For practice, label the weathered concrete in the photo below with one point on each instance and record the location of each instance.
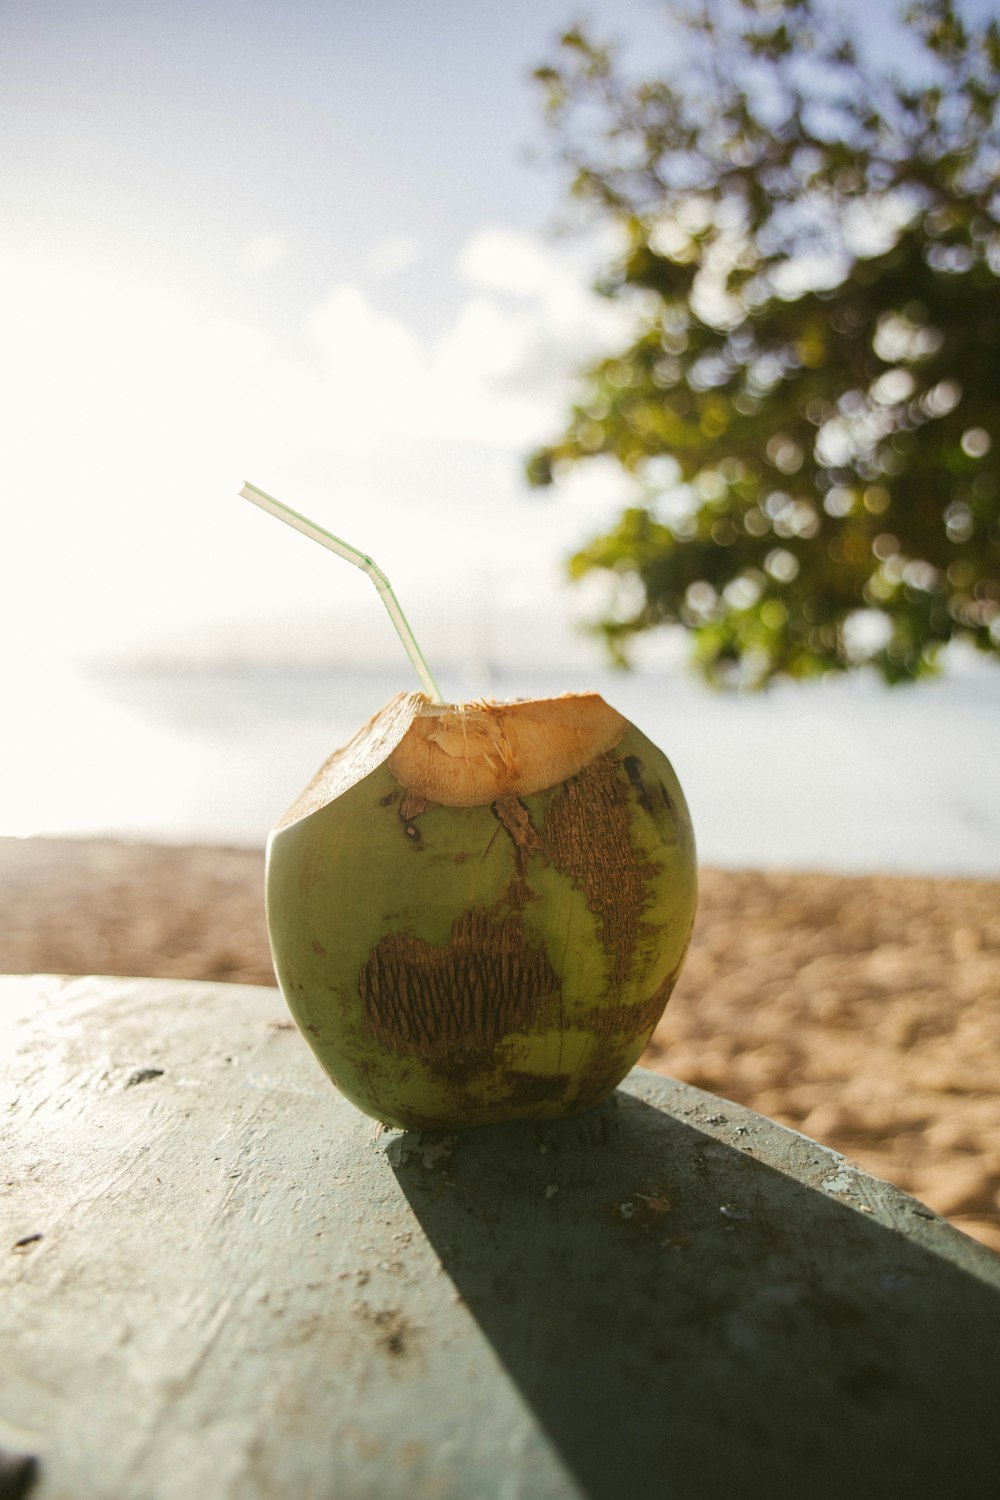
(220, 1280)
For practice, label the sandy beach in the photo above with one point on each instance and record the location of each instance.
(864, 1011)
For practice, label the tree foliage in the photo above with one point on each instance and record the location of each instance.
(809, 400)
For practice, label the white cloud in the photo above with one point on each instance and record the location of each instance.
(503, 260)
(554, 281)
(134, 415)
(496, 376)
(487, 342)
(347, 321)
(370, 362)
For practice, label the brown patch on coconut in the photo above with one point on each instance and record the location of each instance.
(459, 999)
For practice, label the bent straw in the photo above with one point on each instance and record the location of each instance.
(360, 560)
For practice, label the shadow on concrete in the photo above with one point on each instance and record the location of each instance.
(684, 1320)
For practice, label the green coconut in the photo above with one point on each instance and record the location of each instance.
(478, 912)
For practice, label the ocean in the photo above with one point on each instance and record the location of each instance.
(844, 776)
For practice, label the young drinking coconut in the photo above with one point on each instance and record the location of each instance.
(478, 911)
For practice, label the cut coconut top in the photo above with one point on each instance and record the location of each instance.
(466, 755)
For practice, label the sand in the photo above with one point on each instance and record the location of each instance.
(863, 1011)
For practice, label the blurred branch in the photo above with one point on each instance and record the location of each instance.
(809, 403)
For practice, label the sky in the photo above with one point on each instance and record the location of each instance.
(312, 245)
(300, 244)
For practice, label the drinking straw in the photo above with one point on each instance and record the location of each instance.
(360, 560)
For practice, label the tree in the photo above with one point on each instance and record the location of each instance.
(809, 400)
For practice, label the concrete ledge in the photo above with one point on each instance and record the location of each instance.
(219, 1279)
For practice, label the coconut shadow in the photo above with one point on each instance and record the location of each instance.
(685, 1319)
